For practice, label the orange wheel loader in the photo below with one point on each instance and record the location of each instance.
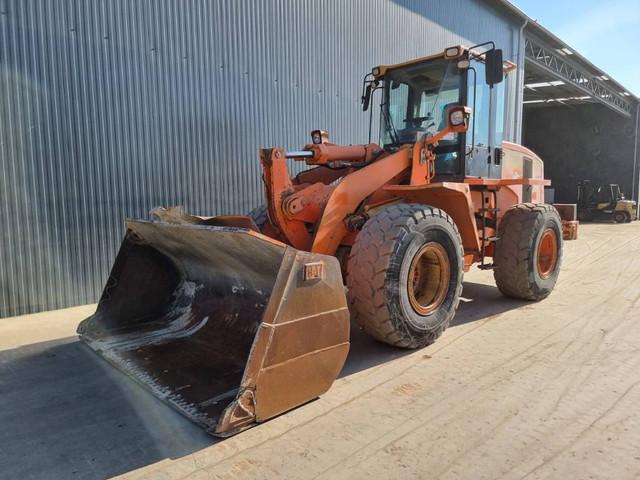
(235, 319)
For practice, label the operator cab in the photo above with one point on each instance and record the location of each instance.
(415, 98)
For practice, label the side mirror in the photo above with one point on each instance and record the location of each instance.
(366, 98)
(493, 67)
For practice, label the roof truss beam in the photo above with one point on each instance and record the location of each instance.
(548, 59)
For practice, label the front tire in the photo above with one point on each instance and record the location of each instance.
(621, 217)
(404, 275)
(585, 215)
(259, 216)
(528, 252)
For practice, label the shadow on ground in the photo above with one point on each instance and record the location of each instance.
(599, 221)
(479, 302)
(65, 413)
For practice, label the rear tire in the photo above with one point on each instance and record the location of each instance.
(528, 252)
(404, 275)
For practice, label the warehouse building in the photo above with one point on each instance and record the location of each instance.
(109, 109)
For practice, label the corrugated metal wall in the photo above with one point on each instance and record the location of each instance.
(109, 108)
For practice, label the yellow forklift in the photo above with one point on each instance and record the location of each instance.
(604, 202)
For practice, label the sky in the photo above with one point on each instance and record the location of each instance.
(605, 32)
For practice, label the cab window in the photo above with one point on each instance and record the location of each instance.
(479, 98)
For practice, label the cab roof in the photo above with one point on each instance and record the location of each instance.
(381, 70)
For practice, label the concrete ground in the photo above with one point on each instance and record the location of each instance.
(512, 390)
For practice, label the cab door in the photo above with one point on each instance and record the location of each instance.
(486, 128)
(496, 130)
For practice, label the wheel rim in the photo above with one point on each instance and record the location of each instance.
(428, 280)
(547, 253)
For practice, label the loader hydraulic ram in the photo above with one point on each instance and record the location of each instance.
(235, 319)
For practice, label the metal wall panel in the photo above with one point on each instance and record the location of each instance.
(109, 108)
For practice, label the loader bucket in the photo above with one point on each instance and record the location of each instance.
(226, 325)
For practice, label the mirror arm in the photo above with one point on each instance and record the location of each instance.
(473, 130)
(370, 114)
(473, 54)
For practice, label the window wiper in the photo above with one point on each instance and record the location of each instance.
(444, 78)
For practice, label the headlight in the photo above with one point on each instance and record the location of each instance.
(319, 136)
(456, 118)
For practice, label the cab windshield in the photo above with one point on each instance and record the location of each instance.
(415, 101)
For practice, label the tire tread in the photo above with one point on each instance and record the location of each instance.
(516, 234)
(367, 266)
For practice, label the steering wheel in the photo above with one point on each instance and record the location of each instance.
(416, 122)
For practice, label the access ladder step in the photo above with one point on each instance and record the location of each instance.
(486, 266)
